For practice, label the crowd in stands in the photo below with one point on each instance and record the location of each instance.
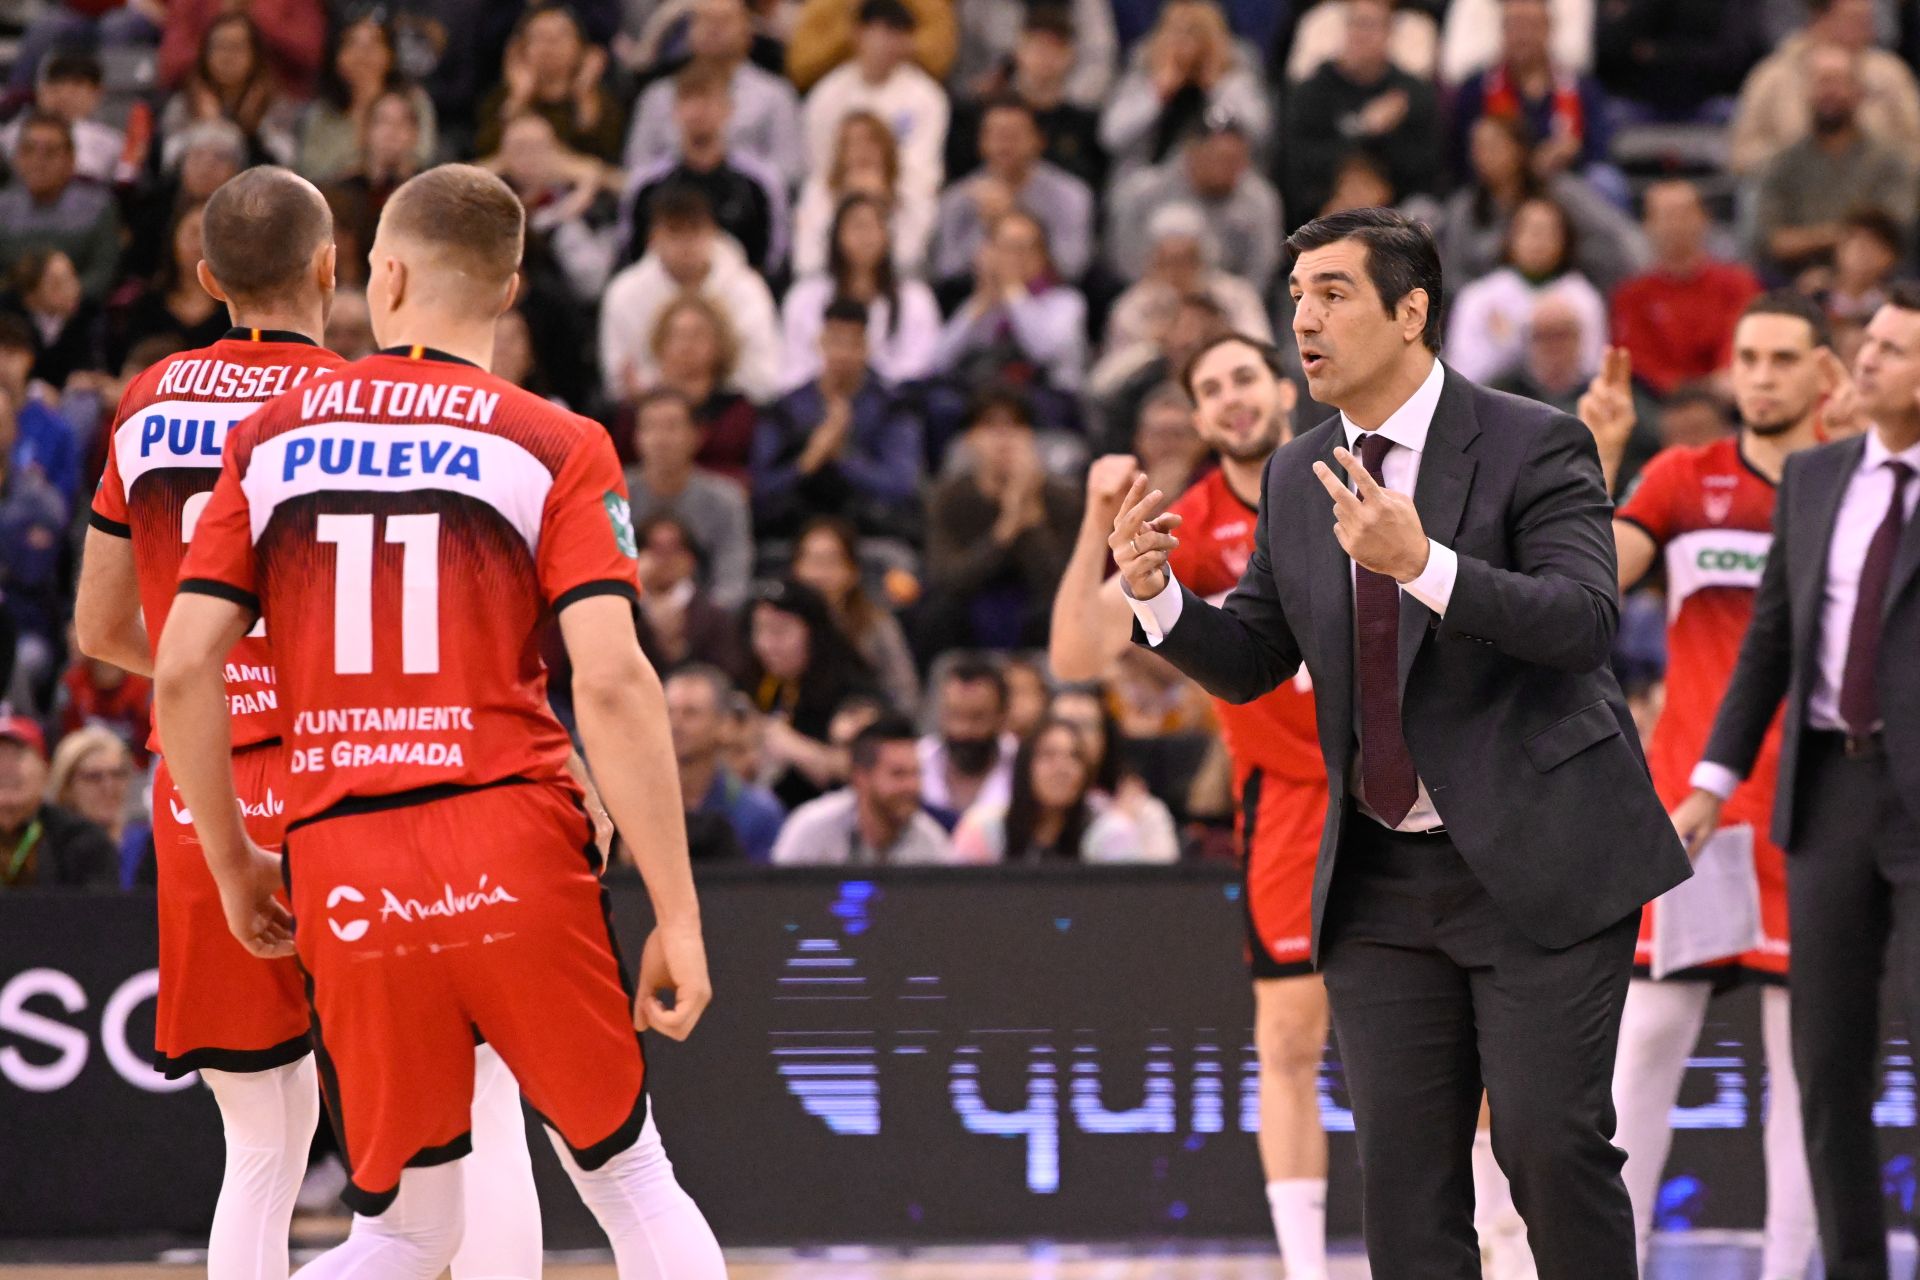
(858, 287)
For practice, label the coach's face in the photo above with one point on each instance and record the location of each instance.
(1887, 371)
(1349, 339)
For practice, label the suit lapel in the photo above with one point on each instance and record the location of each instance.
(1331, 582)
(1440, 496)
(1906, 561)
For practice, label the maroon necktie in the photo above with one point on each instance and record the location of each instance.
(1386, 769)
(1859, 699)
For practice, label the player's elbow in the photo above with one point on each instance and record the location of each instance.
(92, 629)
(608, 683)
(1585, 643)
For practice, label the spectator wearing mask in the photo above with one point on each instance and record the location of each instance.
(876, 819)
(553, 70)
(1677, 317)
(1777, 107)
(903, 319)
(1022, 325)
(42, 845)
(1013, 176)
(765, 120)
(44, 289)
(1810, 186)
(1361, 100)
(667, 481)
(748, 198)
(798, 669)
(685, 622)
(882, 79)
(172, 305)
(1214, 173)
(1486, 327)
(1054, 813)
(234, 80)
(826, 557)
(1564, 109)
(685, 252)
(998, 536)
(38, 439)
(843, 442)
(866, 162)
(291, 38)
(992, 33)
(361, 67)
(69, 87)
(712, 792)
(1055, 56)
(1186, 71)
(91, 777)
(1183, 261)
(1677, 59)
(968, 758)
(46, 206)
(827, 34)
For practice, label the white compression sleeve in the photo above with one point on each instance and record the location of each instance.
(1791, 1229)
(268, 1118)
(1658, 1029)
(502, 1240)
(656, 1230)
(414, 1239)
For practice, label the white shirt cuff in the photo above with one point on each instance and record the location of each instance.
(1434, 587)
(1157, 615)
(1716, 778)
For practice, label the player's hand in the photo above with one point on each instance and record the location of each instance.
(257, 918)
(1377, 527)
(673, 960)
(1141, 538)
(1607, 406)
(1696, 818)
(1840, 412)
(1107, 482)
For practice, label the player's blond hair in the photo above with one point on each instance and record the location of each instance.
(466, 217)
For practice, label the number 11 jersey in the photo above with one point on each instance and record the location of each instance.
(403, 527)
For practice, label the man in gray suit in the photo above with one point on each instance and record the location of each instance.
(1491, 831)
(1836, 634)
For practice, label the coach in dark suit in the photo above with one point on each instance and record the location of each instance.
(1836, 634)
(1491, 830)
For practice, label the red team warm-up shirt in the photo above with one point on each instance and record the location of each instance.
(403, 527)
(162, 460)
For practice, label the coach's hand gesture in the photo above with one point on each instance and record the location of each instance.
(673, 960)
(1377, 527)
(1142, 536)
(257, 918)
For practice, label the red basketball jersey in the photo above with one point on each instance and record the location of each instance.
(163, 457)
(1711, 514)
(403, 527)
(1276, 733)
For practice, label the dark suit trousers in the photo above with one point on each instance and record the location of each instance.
(1433, 992)
(1853, 908)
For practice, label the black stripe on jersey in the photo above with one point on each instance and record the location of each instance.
(104, 525)
(240, 333)
(622, 1138)
(1641, 527)
(372, 1204)
(352, 805)
(598, 587)
(235, 1060)
(417, 352)
(222, 590)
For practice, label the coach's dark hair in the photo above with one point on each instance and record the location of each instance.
(260, 230)
(1401, 257)
(890, 727)
(1268, 353)
(1904, 294)
(1795, 305)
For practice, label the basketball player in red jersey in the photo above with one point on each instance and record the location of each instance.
(242, 1021)
(1707, 511)
(404, 527)
(1242, 411)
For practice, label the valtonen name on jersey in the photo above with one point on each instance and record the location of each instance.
(383, 397)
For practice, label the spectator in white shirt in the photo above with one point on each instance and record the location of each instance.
(1012, 175)
(1487, 330)
(876, 819)
(1054, 814)
(1022, 321)
(883, 78)
(866, 161)
(903, 320)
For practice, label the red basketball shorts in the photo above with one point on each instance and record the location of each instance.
(427, 918)
(220, 1006)
(1279, 823)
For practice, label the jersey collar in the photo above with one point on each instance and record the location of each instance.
(418, 352)
(240, 333)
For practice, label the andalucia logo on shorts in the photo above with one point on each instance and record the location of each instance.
(620, 516)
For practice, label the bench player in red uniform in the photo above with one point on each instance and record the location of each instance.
(1243, 408)
(239, 1020)
(1707, 512)
(404, 527)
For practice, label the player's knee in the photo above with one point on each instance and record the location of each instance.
(1290, 1045)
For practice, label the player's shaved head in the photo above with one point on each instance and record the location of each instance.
(262, 230)
(461, 228)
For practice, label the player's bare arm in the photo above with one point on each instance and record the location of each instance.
(1091, 620)
(190, 699)
(106, 612)
(622, 713)
(1634, 550)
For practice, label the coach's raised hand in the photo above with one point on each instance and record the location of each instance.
(1377, 527)
(1142, 536)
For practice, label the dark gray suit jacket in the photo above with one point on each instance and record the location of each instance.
(1780, 656)
(1513, 719)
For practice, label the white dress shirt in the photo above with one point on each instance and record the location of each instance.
(1862, 508)
(1407, 428)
